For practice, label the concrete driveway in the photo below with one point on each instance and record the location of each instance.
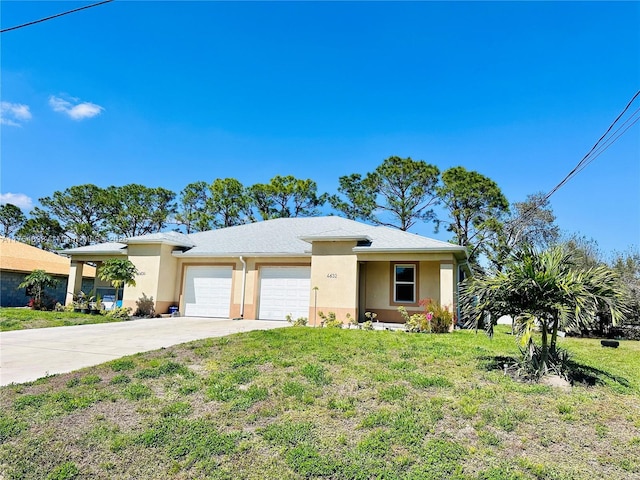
(27, 355)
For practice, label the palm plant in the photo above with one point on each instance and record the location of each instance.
(118, 271)
(545, 290)
(36, 283)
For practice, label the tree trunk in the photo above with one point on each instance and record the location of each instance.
(545, 349)
(554, 334)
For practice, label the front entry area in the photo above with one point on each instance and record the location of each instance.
(284, 291)
(207, 291)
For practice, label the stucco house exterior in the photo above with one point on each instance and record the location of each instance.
(288, 266)
(17, 260)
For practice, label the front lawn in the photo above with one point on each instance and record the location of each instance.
(304, 403)
(23, 318)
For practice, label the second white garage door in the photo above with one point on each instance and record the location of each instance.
(283, 291)
(207, 292)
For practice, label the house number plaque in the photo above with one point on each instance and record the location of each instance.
(332, 275)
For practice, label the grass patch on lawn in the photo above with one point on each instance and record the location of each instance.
(304, 403)
(25, 318)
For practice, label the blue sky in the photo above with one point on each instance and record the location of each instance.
(167, 93)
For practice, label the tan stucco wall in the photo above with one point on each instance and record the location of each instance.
(436, 281)
(157, 274)
(334, 271)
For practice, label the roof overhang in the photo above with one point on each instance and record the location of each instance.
(459, 252)
(187, 254)
(98, 252)
(164, 241)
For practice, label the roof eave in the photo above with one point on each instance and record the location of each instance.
(173, 243)
(70, 252)
(178, 254)
(461, 250)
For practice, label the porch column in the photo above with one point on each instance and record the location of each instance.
(447, 285)
(75, 280)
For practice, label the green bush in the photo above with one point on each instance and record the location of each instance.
(298, 322)
(120, 313)
(435, 319)
(145, 307)
(329, 320)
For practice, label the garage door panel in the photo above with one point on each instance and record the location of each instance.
(208, 291)
(284, 291)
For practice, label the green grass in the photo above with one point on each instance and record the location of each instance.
(25, 318)
(304, 403)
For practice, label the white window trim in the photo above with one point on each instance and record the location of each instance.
(395, 282)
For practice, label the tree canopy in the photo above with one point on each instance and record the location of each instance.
(132, 210)
(476, 208)
(11, 219)
(193, 208)
(398, 193)
(81, 210)
(286, 196)
(119, 272)
(530, 222)
(229, 203)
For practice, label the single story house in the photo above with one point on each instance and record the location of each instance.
(17, 260)
(287, 266)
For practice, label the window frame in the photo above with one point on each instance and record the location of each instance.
(394, 282)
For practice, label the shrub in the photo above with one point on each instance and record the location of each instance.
(412, 323)
(298, 322)
(435, 319)
(439, 318)
(368, 325)
(329, 320)
(120, 313)
(626, 332)
(145, 307)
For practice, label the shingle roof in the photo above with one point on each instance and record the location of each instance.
(282, 237)
(291, 236)
(107, 248)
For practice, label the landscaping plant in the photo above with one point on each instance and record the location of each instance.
(545, 290)
(120, 272)
(36, 283)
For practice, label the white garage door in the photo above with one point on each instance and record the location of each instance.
(207, 292)
(283, 291)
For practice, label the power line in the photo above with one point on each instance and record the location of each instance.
(54, 16)
(603, 143)
(586, 159)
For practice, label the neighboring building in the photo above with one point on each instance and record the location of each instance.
(17, 260)
(288, 266)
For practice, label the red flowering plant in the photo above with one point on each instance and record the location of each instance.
(438, 318)
(435, 319)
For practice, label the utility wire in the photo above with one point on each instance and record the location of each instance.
(585, 160)
(603, 143)
(54, 16)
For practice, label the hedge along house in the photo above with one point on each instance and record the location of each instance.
(17, 260)
(288, 266)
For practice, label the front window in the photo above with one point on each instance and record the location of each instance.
(405, 284)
